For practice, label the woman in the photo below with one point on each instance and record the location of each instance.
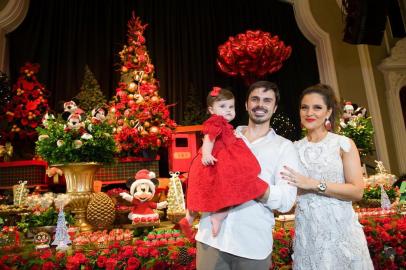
(327, 232)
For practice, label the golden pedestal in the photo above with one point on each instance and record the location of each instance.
(79, 187)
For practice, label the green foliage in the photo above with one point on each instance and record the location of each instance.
(361, 131)
(47, 218)
(374, 192)
(90, 95)
(58, 146)
(194, 112)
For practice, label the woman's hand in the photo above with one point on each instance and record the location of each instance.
(296, 179)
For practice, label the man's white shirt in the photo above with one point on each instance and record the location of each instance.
(247, 230)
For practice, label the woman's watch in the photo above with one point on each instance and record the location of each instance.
(322, 186)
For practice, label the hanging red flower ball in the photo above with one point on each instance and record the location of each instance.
(252, 55)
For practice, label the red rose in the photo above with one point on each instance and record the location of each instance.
(45, 254)
(154, 252)
(48, 266)
(127, 251)
(133, 263)
(111, 264)
(283, 252)
(142, 251)
(101, 261)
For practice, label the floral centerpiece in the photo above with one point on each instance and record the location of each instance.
(355, 124)
(81, 138)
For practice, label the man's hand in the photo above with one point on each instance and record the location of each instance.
(208, 159)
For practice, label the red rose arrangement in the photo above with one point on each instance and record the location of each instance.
(386, 239)
(252, 55)
(282, 249)
(166, 249)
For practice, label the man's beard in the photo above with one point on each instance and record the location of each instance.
(259, 120)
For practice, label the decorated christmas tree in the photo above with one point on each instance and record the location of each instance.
(175, 198)
(90, 95)
(194, 113)
(62, 238)
(28, 104)
(283, 126)
(140, 116)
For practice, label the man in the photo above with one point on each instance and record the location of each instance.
(245, 239)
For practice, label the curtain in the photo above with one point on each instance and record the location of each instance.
(182, 39)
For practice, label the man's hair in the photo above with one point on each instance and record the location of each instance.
(267, 86)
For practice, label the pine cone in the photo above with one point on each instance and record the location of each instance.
(100, 211)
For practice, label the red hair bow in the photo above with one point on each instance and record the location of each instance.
(215, 91)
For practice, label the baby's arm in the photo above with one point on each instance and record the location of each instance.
(207, 147)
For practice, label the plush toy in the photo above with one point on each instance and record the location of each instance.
(348, 111)
(98, 115)
(70, 108)
(75, 124)
(142, 190)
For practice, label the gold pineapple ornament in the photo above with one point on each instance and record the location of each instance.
(100, 211)
(176, 200)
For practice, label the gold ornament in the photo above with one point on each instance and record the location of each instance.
(100, 211)
(154, 99)
(130, 96)
(139, 99)
(6, 151)
(154, 130)
(124, 69)
(131, 87)
(146, 124)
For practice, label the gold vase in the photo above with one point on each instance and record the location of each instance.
(79, 187)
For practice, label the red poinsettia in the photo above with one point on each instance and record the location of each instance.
(24, 112)
(252, 55)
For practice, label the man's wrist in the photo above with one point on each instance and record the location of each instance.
(265, 196)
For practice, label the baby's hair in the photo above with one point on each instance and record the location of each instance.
(218, 94)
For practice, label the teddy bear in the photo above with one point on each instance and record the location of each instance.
(142, 190)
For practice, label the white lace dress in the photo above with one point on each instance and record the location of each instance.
(327, 233)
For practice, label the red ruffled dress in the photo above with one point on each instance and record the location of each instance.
(233, 179)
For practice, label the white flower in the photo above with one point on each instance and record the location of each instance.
(59, 143)
(77, 144)
(42, 137)
(86, 136)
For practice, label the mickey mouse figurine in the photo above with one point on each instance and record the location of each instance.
(142, 190)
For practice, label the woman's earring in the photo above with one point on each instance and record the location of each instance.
(327, 124)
